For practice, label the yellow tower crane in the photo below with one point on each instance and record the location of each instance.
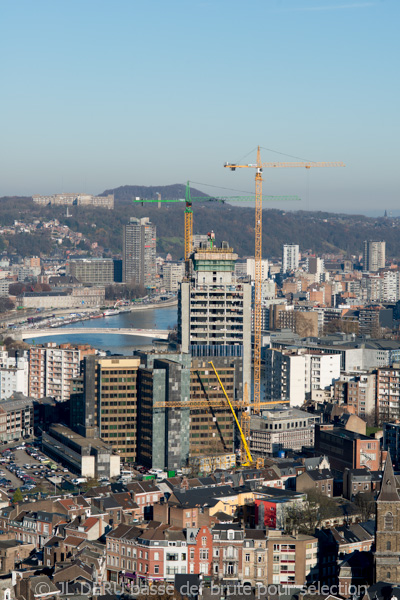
(259, 166)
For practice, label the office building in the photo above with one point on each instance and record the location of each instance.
(104, 402)
(92, 270)
(347, 449)
(290, 258)
(52, 367)
(169, 434)
(282, 429)
(214, 310)
(374, 256)
(89, 457)
(139, 253)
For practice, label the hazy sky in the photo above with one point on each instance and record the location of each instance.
(97, 94)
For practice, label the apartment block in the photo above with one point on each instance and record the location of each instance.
(214, 310)
(292, 560)
(16, 418)
(14, 373)
(92, 270)
(290, 258)
(282, 429)
(75, 200)
(357, 392)
(173, 273)
(388, 393)
(139, 252)
(374, 256)
(292, 374)
(53, 367)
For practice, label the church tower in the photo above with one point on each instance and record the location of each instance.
(387, 554)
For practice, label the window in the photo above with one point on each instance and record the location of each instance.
(156, 569)
(191, 553)
(388, 546)
(204, 554)
(156, 556)
(388, 575)
(388, 521)
(247, 557)
(204, 541)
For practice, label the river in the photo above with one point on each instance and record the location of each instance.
(159, 318)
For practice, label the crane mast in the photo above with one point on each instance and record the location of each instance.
(258, 257)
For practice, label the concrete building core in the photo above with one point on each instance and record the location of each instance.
(214, 310)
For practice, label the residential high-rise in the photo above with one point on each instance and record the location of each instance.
(52, 368)
(214, 310)
(290, 258)
(139, 253)
(374, 256)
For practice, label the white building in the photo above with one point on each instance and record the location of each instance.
(173, 273)
(391, 286)
(292, 374)
(316, 266)
(290, 258)
(250, 268)
(374, 256)
(14, 373)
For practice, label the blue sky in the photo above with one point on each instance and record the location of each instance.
(97, 94)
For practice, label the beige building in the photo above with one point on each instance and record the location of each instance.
(92, 270)
(173, 274)
(292, 559)
(104, 400)
(255, 557)
(79, 297)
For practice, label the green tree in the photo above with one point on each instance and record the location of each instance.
(17, 497)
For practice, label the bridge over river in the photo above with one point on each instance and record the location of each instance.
(23, 334)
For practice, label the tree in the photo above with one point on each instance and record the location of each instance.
(90, 483)
(365, 502)
(17, 497)
(306, 517)
(6, 304)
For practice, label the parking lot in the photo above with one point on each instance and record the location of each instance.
(28, 472)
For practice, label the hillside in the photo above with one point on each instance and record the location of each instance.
(323, 232)
(126, 193)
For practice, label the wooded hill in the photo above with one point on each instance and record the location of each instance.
(320, 231)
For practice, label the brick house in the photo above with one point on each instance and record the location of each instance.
(227, 552)
(319, 481)
(200, 550)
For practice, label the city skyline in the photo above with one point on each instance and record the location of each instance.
(99, 95)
